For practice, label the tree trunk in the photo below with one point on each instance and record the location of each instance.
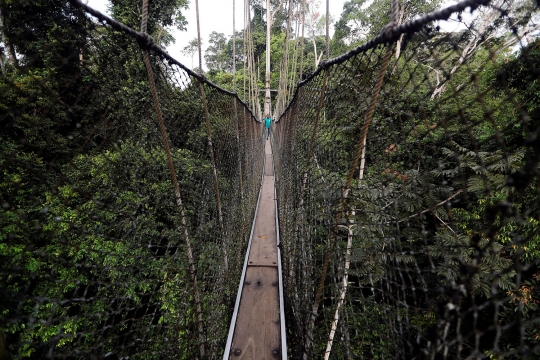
(284, 68)
(315, 50)
(302, 51)
(2, 62)
(292, 80)
(345, 283)
(362, 162)
(479, 38)
(400, 40)
(7, 41)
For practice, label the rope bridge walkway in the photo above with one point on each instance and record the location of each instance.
(140, 202)
(258, 325)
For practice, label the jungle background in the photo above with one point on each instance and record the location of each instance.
(92, 254)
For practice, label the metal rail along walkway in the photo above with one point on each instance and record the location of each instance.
(257, 329)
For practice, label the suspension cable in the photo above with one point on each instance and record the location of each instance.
(327, 29)
(244, 49)
(234, 45)
(164, 137)
(212, 157)
(199, 35)
(303, 40)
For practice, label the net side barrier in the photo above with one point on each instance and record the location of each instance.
(413, 232)
(98, 257)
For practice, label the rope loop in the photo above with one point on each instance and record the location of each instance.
(387, 32)
(145, 41)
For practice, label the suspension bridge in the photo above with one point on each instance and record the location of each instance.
(393, 212)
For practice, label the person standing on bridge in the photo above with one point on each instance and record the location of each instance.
(267, 122)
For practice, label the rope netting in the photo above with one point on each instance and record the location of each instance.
(101, 254)
(407, 175)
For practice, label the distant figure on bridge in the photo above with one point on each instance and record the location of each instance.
(267, 122)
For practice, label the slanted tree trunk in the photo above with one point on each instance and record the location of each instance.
(344, 285)
(317, 58)
(362, 162)
(484, 32)
(400, 40)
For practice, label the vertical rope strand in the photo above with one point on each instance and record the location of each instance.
(303, 40)
(367, 121)
(245, 55)
(199, 35)
(395, 10)
(234, 45)
(327, 49)
(164, 137)
(235, 116)
(213, 161)
(309, 336)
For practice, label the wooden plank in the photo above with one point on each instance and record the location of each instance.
(263, 246)
(268, 166)
(257, 332)
(267, 147)
(263, 254)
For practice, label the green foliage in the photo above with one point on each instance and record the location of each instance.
(92, 248)
(362, 20)
(444, 219)
(161, 14)
(89, 222)
(216, 55)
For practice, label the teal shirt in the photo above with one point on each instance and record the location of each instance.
(267, 122)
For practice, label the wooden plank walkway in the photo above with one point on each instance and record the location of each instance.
(257, 331)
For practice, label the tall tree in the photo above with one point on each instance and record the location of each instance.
(217, 54)
(161, 14)
(191, 49)
(361, 19)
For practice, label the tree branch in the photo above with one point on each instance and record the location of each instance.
(431, 208)
(274, 13)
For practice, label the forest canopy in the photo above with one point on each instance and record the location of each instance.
(407, 191)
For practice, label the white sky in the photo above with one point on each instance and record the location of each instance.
(216, 15)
